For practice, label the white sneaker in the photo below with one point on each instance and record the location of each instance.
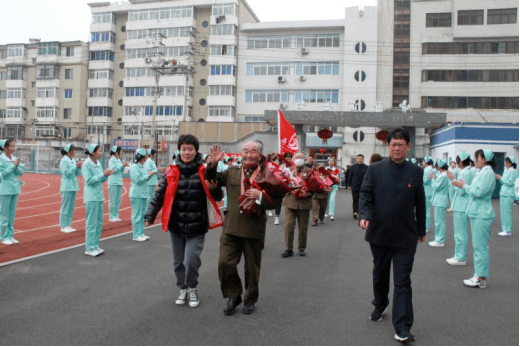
(7, 242)
(326, 215)
(427, 231)
(455, 261)
(14, 240)
(66, 230)
(100, 250)
(181, 300)
(269, 213)
(140, 239)
(475, 282)
(119, 219)
(194, 298)
(449, 210)
(276, 220)
(92, 253)
(504, 233)
(71, 229)
(331, 217)
(146, 237)
(113, 220)
(436, 244)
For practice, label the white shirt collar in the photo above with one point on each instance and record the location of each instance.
(6, 158)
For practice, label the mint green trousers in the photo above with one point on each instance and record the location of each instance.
(68, 202)
(7, 212)
(428, 212)
(93, 224)
(460, 234)
(114, 201)
(506, 213)
(332, 200)
(138, 210)
(480, 231)
(439, 215)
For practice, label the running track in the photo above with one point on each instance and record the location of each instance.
(36, 224)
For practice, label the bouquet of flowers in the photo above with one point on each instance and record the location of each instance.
(329, 175)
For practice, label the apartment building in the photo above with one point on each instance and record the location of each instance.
(43, 89)
(130, 40)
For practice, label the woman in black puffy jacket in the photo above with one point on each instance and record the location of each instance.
(189, 211)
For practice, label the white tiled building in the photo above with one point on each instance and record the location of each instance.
(43, 89)
(202, 35)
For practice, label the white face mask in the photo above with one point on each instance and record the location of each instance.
(299, 162)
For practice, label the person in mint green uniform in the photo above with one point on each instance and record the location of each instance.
(70, 169)
(139, 192)
(507, 195)
(427, 183)
(10, 169)
(150, 166)
(481, 215)
(115, 183)
(459, 205)
(94, 176)
(453, 168)
(440, 190)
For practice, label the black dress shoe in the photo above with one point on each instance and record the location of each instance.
(286, 254)
(248, 309)
(231, 305)
(315, 223)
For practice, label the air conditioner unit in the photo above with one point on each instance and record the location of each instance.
(220, 18)
(282, 79)
(304, 51)
(303, 78)
(147, 60)
(283, 106)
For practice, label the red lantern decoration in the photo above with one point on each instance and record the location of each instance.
(381, 135)
(325, 134)
(323, 150)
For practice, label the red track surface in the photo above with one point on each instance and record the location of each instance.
(36, 224)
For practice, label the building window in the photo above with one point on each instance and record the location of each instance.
(16, 73)
(49, 48)
(14, 113)
(169, 111)
(70, 52)
(500, 47)
(3, 94)
(17, 93)
(45, 72)
(154, 33)
(2, 115)
(222, 90)
(223, 29)
(401, 30)
(44, 131)
(105, 36)
(3, 55)
(435, 20)
(16, 51)
(163, 13)
(107, 17)
(101, 74)
(470, 75)
(3, 75)
(139, 72)
(102, 55)
(68, 94)
(202, 82)
(33, 103)
(223, 50)
(360, 104)
(46, 112)
(293, 95)
(100, 93)
(253, 119)
(100, 111)
(48, 92)
(33, 84)
(221, 111)
(361, 47)
(67, 113)
(502, 16)
(469, 102)
(360, 76)
(223, 9)
(68, 74)
(473, 17)
(223, 70)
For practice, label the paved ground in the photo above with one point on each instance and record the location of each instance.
(126, 297)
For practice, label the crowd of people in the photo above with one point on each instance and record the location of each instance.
(392, 199)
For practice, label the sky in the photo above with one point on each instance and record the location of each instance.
(69, 20)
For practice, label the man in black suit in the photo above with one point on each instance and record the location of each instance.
(392, 209)
(355, 178)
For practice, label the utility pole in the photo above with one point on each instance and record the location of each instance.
(155, 57)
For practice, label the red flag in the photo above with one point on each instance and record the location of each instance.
(288, 140)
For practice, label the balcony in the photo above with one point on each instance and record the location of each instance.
(47, 102)
(51, 59)
(15, 102)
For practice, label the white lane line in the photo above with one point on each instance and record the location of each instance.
(54, 203)
(76, 221)
(37, 190)
(67, 248)
(46, 196)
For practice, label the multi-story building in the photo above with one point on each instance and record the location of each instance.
(133, 42)
(328, 65)
(43, 88)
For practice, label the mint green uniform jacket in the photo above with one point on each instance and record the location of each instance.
(480, 191)
(10, 184)
(150, 166)
(94, 179)
(69, 175)
(427, 182)
(440, 188)
(116, 179)
(140, 180)
(508, 183)
(461, 199)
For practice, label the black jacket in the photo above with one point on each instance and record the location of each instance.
(392, 200)
(189, 215)
(355, 176)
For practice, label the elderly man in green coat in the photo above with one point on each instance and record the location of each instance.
(242, 234)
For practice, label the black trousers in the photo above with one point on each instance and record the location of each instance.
(355, 200)
(402, 258)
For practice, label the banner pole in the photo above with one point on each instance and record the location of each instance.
(279, 134)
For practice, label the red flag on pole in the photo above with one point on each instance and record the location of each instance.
(287, 135)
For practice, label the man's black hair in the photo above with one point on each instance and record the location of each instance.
(399, 133)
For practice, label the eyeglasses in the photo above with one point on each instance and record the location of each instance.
(397, 145)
